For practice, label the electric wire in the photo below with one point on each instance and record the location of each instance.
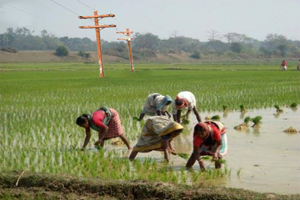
(65, 8)
(23, 11)
(39, 3)
(86, 5)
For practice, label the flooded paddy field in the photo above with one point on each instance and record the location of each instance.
(264, 160)
(40, 103)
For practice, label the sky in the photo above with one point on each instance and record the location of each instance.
(190, 18)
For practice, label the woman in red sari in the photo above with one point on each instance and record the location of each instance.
(106, 122)
(284, 65)
(209, 139)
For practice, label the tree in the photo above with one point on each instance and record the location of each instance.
(84, 54)
(62, 51)
(282, 48)
(196, 54)
(213, 35)
(236, 47)
(145, 42)
(235, 37)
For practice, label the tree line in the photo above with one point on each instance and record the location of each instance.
(148, 45)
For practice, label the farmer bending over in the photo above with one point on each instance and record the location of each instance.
(184, 101)
(106, 122)
(156, 104)
(157, 134)
(209, 139)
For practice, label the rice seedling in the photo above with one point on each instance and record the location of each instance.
(278, 109)
(183, 155)
(291, 130)
(135, 118)
(216, 117)
(256, 121)
(243, 109)
(185, 121)
(294, 105)
(238, 173)
(243, 126)
(225, 108)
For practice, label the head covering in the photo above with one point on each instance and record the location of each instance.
(204, 126)
(167, 99)
(164, 102)
(184, 102)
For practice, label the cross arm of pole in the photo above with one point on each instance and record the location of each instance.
(124, 39)
(124, 32)
(96, 16)
(98, 26)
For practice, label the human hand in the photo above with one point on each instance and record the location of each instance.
(215, 156)
(98, 142)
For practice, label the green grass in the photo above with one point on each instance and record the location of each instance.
(40, 103)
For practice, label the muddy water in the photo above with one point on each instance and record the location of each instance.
(268, 158)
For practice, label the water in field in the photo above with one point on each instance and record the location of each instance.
(267, 159)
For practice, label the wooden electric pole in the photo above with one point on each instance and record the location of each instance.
(128, 39)
(97, 27)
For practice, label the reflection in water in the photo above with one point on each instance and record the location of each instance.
(256, 132)
(294, 109)
(277, 115)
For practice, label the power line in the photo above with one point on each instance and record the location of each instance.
(86, 5)
(39, 3)
(23, 11)
(65, 7)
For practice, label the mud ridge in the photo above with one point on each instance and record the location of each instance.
(41, 186)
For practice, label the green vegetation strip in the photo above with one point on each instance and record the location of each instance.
(121, 189)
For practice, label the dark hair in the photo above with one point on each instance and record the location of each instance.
(178, 102)
(199, 128)
(81, 119)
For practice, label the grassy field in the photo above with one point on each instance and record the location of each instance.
(40, 103)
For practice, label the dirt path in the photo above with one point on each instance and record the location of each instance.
(37, 186)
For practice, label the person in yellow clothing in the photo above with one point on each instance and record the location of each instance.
(157, 134)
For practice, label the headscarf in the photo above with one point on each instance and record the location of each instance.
(184, 103)
(166, 99)
(204, 126)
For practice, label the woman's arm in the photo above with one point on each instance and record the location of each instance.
(216, 153)
(169, 115)
(141, 116)
(197, 114)
(158, 112)
(178, 115)
(87, 138)
(101, 135)
(195, 156)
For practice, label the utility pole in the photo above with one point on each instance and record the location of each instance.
(128, 39)
(97, 27)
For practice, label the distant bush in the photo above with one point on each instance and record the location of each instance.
(62, 51)
(83, 54)
(236, 47)
(9, 49)
(196, 55)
